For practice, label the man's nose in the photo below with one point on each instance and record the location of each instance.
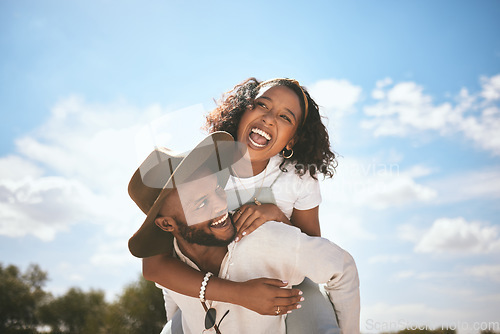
(220, 203)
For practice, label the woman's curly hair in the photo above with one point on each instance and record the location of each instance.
(312, 148)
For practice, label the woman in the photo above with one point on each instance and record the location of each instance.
(288, 146)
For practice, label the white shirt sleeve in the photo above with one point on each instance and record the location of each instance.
(308, 194)
(170, 305)
(325, 262)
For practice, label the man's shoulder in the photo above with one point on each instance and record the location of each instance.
(273, 242)
(273, 230)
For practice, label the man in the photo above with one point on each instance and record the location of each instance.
(192, 207)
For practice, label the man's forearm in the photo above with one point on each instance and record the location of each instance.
(343, 290)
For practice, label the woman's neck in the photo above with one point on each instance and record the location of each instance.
(259, 166)
(246, 167)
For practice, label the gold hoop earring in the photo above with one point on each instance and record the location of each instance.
(289, 155)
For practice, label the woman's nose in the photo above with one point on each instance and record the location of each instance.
(268, 118)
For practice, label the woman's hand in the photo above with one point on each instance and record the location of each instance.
(250, 216)
(266, 295)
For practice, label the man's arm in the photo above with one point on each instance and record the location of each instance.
(343, 290)
(325, 262)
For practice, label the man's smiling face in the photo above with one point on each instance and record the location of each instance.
(200, 210)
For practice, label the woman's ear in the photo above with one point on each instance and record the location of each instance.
(291, 143)
(165, 223)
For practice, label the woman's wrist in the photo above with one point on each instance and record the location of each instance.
(279, 216)
(222, 290)
(283, 218)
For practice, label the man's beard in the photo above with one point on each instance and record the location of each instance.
(198, 236)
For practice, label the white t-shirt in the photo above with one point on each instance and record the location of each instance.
(290, 190)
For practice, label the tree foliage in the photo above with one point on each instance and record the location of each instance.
(75, 312)
(140, 309)
(21, 295)
(26, 308)
(428, 331)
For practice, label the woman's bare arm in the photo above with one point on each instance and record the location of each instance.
(307, 221)
(261, 295)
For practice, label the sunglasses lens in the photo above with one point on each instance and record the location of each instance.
(210, 318)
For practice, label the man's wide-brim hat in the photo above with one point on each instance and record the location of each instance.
(159, 174)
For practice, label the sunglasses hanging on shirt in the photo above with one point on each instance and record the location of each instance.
(210, 318)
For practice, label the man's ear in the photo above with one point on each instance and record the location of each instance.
(165, 223)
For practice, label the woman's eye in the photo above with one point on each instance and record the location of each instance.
(260, 104)
(286, 118)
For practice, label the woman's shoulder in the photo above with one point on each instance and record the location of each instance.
(289, 172)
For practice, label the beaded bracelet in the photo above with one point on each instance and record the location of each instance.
(204, 286)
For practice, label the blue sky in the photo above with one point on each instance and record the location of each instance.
(411, 90)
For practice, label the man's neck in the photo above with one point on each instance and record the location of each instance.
(207, 258)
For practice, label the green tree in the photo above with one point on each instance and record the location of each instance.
(426, 331)
(75, 312)
(20, 296)
(139, 310)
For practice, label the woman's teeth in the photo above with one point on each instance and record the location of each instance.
(262, 133)
(259, 138)
(256, 144)
(220, 221)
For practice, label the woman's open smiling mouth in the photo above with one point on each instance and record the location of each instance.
(259, 138)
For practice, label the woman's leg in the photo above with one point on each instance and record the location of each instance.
(174, 326)
(316, 316)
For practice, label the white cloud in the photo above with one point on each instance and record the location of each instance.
(378, 93)
(405, 109)
(43, 206)
(408, 232)
(483, 130)
(387, 258)
(359, 186)
(383, 83)
(404, 274)
(113, 253)
(478, 184)
(491, 87)
(384, 317)
(484, 271)
(377, 185)
(341, 225)
(337, 96)
(13, 167)
(92, 150)
(457, 236)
